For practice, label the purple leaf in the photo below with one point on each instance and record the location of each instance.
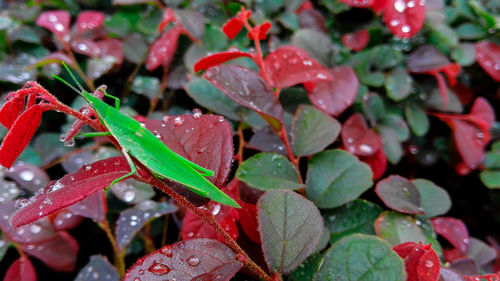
(400, 194)
(29, 177)
(64, 220)
(92, 207)
(426, 58)
(186, 260)
(266, 140)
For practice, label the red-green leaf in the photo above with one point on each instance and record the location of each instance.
(290, 65)
(19, 135)
(454, 230)
(356, 40)
(56, 21)
(358, 139)
(404, 18)
(162, 51)
(377, 162)
(232, 27)
(399, 194)
(21, 270)
(218, 58)
(421, 262)
(488, 56)
(196, 259)
(89, 20)
(336, 95)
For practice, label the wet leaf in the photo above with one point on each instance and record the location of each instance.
(358, 139)
(267, 171)
(289, 65)
(359, 4)
(219, 58)
(335, 177)
(266, 140)
(28, 177)
(146, 85)
(450, 275)
(404, 18)
(391, 144)
(192, 21)
(400, 194)
(359, 256)
(317, 44)
(373, 107)
(336, 95)
(132, 191)
(313, 131)
(87, 20)
(162, 51)
(98, 268)
(134, 48)
(377, 162)
(248, 89)
(488, 56)
(480, 252)
(357, 216)
(133, 219)
(357, 40)
(396, 228)
(283, 215)
(421, 263)
(93, 207)
(464, 54)
(417, 119)
(57, 21)
(195, 259)
(398, 85)
(453, 230)
(21, 270)
(8, 191)
(426, 58)
(435, 200)
(65, 220)
(396, 123)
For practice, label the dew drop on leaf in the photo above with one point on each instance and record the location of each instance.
(193, 261)
(158, 268)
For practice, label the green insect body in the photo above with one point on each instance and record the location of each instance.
(138, 142)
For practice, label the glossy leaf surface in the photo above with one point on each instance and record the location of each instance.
(400, 194)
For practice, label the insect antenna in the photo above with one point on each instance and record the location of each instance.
(66, 83)
(72, 77)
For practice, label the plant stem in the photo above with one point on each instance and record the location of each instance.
(118, 255)
(242, 143)
(163, 86)
(295, 161)
(260, 60)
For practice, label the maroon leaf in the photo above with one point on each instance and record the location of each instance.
(358, 139)
(358, 3)
(56, 21)
(218, 58)
(425, 59)
(488, 56)
(162, 51)
(377, 162)
(267, 140)
(29, 177)
(248, 89)
(64, 220)
(93, 207)
(454, 230)
(196, 259)
(482, 113)
(404, 18)
(21, 270)
(421, 262)
(59, 253)
(111, 48)
(357, 40)
(11, 110)
(399, 194)
(19, 135)
(72, 188)
(290, 65)
(335, 96)
(168, 17)
(89, 20)
(450, 275)
(85, 47)
(248, 220)
(232, 27)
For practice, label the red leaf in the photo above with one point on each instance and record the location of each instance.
(196, 259)
(377, 162)
(358, 3)
(404, 18)
(306, 5)
(336, 95)
(112, 47)
(163, 50)
(451, 255)
(19, 135)
(56, 21)
(89, 20)
(488, 56)
(59, 253)
(358, 139)
(64, 220)
(379, 5)
(248, 89)
(421, 262)
(463, 93)
(290, 65)
(85, 47)
(11, 110)
(21, 270)
(357, 40)
(72, 188)
(248, 220)
(470, 141)
(482, 114)
(218, 58)
(454, 230)
(260, 30)
(232, 27)
(168, 17)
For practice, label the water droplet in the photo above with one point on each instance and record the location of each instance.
(394, 22)
(197, 113)
(27, 175)
(178, 121)
(400, 5)
(193, 261)
(429, 263)
(88, 167)
(405, 28)
(321, 76)
(366, 148)
(158, 268)
(56, 186)
(129, 196)
(216, 209)
(141, 272)
(167, 251)
(411, 4)
(307, 63)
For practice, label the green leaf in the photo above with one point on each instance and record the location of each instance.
(396, 228)
(149, 22)
(471, 31)
(214, 39)
(443, 37)
(392, 145)
(417, 119)
(434, 199)
(373, 106)
(208, 96)
(317, 44)
(357, 216)
(23, 33)
(267, 171)
(384, 57)
(146, 85)
(312, 131)
(492, 160)
(323, 241)
(361, 258)
(398, 84)
(430, 235)
(290, 228)
(4, 246)
(464, 54)
(400, 194)
(335, 177)
(289, 21)
(398, 124)
(368, 77)
(134, 48)
(118, 24)
(307, 269)
(490, 178)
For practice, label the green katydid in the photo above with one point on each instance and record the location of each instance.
(138, 142)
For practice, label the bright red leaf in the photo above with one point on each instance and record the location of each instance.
(454, 230)
(218, 58)
(168, 17)
(421, 262)
(196, 259)
(377, 162)
(358, 139)
(260, 31)
(56, 21)
(358, 3)
(20, 135)
(21, 270)
(87, 20)
(232, 27)
(488, 56)
(379, 5)
(290, 65)
(404, 18)
(334, 96)
(162, 51)
(356, 40)
(248, 220)
(11, 110)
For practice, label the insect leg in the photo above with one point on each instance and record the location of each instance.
(202, 171)
(117, 100)
(91, 135)
(133, 169)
